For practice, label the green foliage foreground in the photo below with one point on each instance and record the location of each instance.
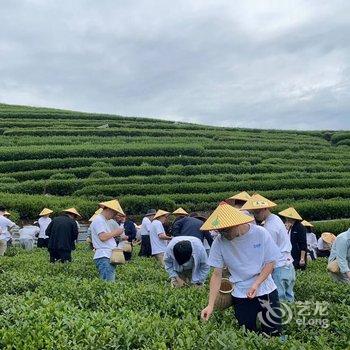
(44, 306)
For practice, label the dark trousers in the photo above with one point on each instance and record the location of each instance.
(60, 255)
(146, 249)
(127, 256)
(266, 308)
(42, 242)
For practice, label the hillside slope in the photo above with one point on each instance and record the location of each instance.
(59, 158)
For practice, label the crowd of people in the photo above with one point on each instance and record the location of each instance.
(257, 250)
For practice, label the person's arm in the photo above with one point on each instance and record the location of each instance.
(169, 266)
(342, 251)
(163, 236)
(75, 232)
(105, 236)
(265, 272)
(204, 268)
(215, 283)
(302, 245)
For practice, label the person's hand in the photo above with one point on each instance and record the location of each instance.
(302, 262)
(206, 313)
(118, 232)
(252, 291)
(180, 281)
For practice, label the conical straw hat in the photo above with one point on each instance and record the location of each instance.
(97, 212)
(114, 205)
(225, 216)
(180, 211)
(242, 196)
(256, 201)
(290, 213)
(6, 213)
(307, 224)
(328, 237)
(160, 213)
(45, 211)
(72, 211)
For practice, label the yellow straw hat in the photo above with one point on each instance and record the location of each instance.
(242, 196)
(45, 211)
(290, 213)
(225, 216)
(307, 224)
(6, 213)
(256, 201)
(114, 205)
(72, 211)
(160, 213)
(97, 212)
(328, 237)
(180, 211)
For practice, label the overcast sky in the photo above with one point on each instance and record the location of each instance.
(261, 64)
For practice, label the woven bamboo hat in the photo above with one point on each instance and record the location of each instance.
(291, 213)
(180, 211)
(97, 212)
(6, 213)
(307, 224)
(160, 213)
(225, 216)
(256, 201)
(114, 205)
(45, 211)
(242, 196)
(72, 211)
(328, 237)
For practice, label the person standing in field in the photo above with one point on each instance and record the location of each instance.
(8, 233)
(6, 225)
(158, 236)
(283, 273)
(340, 254)
(250, 255)
(297, 234)
(43, 222)
(145, 230)
(129, 233)
(63, 232)
(103, 238)
(185, 262)
(27, 233)
(311, 240)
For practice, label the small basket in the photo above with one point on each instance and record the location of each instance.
(117, 257)
(224, 298)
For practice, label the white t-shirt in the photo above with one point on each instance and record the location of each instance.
(145, 226)
(245, 256)
(43, 222)
(103, 249)
(28, 232)
(158, 245)
(275, 226)
(5, 225)
(311, 241)
(322, 245)
(113, 224)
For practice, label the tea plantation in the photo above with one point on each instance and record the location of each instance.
(57, 158)
(46, 306)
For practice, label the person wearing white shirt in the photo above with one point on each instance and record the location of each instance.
(311, 241)
(250, 254)
(157, 235)
(284, 272)
(185, 261)
(27, 234)
(43, 222)
(5, 226)
(145, 230)
(103, 239)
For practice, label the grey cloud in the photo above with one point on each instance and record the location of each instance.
(213, 62)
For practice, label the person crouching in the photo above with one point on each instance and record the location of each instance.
(185, 261)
